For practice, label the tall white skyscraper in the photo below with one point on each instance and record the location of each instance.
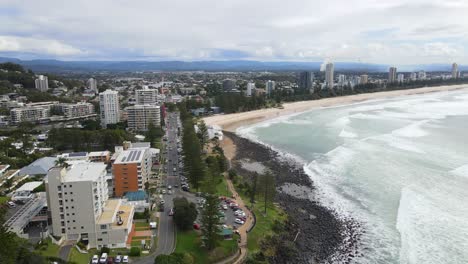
(250, 88)
(109, 104)
(146, 96)
(401, 77)
(414, 76)
(392, 74)
(270, 86)
(454, 71)
(329, 79)
(92, 85)
(42, 83)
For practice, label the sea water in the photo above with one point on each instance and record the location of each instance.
(399, 166)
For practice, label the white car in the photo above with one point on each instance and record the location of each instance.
(103, 258)
(238, 221)
(118, 259)
(95, 259)
(225, 207)
(125, 259)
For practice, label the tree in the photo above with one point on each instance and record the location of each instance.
(185, 213)
(266, 187)
(61, 162)
(202, 133)
(153, 133)
(8, 183)
(210, 222)
(174, 258)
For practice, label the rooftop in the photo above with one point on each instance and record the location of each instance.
(85, 171)
(130, 156)
(40, 166)
(99, 153)
(29, 186)
(110, 213)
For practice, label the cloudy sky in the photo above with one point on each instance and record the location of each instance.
(375, 31)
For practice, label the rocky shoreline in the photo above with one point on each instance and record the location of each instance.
(322, 237)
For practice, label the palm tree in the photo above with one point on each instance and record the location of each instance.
(61, 162)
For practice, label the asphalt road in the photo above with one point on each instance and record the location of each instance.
(167, 229)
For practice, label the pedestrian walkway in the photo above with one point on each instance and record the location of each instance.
(242, 229)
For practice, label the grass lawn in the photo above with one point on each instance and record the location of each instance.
(190, 242)
(222, 189)
(264, 223)
(52, 250)
(79, 258)
(3, 199)
(141, 224)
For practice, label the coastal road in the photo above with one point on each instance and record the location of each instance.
(166, 229)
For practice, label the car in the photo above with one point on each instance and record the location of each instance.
(103, 258)
(171, 212)
(95, 259)
(163, 191)
(176, 186)
(239, 221)
(196, 226)
(169, 192)
(125, 259)
(11, 204)
(243, 218)
(118, 259)
(225, 207)
(175, 169)
(110, 260)
(169, 187)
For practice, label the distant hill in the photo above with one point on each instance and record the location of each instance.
(57, 66)
(238, 65)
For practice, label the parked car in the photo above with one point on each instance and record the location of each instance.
(171, 212)
(196, 226)
(118, 259)
(103, 258)
(125, 259)
(110, 260)
(11, 204)
(169, 187)
(95, 259)
(225, 207)
(239, 221)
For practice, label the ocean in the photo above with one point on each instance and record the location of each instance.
(398, 166)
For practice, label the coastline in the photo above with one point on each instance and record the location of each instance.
(230, 122)
(319, 235)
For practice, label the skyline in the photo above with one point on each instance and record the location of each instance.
(399, 33)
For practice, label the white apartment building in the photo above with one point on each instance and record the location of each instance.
(139, 117)
(146, 96)
(77, 199)
(422, 75)
(92, 85)
(413, 76)
(329, 71)
(250, 88)
(109, 104)
(342, 80)
(29, 114)
(80, 109)
(42, 83)
(401, 77)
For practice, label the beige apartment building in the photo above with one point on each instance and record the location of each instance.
(141, 116)
(80, 207)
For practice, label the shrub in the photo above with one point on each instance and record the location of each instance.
(135, 252)
(105, 250)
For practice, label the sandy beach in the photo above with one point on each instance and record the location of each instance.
(231, 122)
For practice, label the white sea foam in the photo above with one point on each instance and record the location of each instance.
(461, 171)
(347, 134)
(411, 131)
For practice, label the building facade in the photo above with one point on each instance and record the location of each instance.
(42, 83)
(139, 117)
(364, 79)
(131, 169)
(146, 96)
(77, 110)
(329, 79)
(250, 88)
(455, 71)
(77, 199)
(109, 107)
(270, 87)
(92, 85)
(306, 80)
(401, 77)
(392, 74)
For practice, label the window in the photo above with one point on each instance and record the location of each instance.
(70, 186)
(62, 217)
(73, 213)
(66, 200)
(73, 207)
(59, 188)
(71, 200)
(103, 226)
(73, 221)
(63, 230)
(82, 227)
(99, 239)
(104, 233)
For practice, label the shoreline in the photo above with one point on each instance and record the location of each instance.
(231, 122)
(322, 236)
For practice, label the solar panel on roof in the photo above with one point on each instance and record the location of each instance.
(138, 155)
(132, 156)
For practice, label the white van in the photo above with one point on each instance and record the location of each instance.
(11, 204)
(103, 258)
